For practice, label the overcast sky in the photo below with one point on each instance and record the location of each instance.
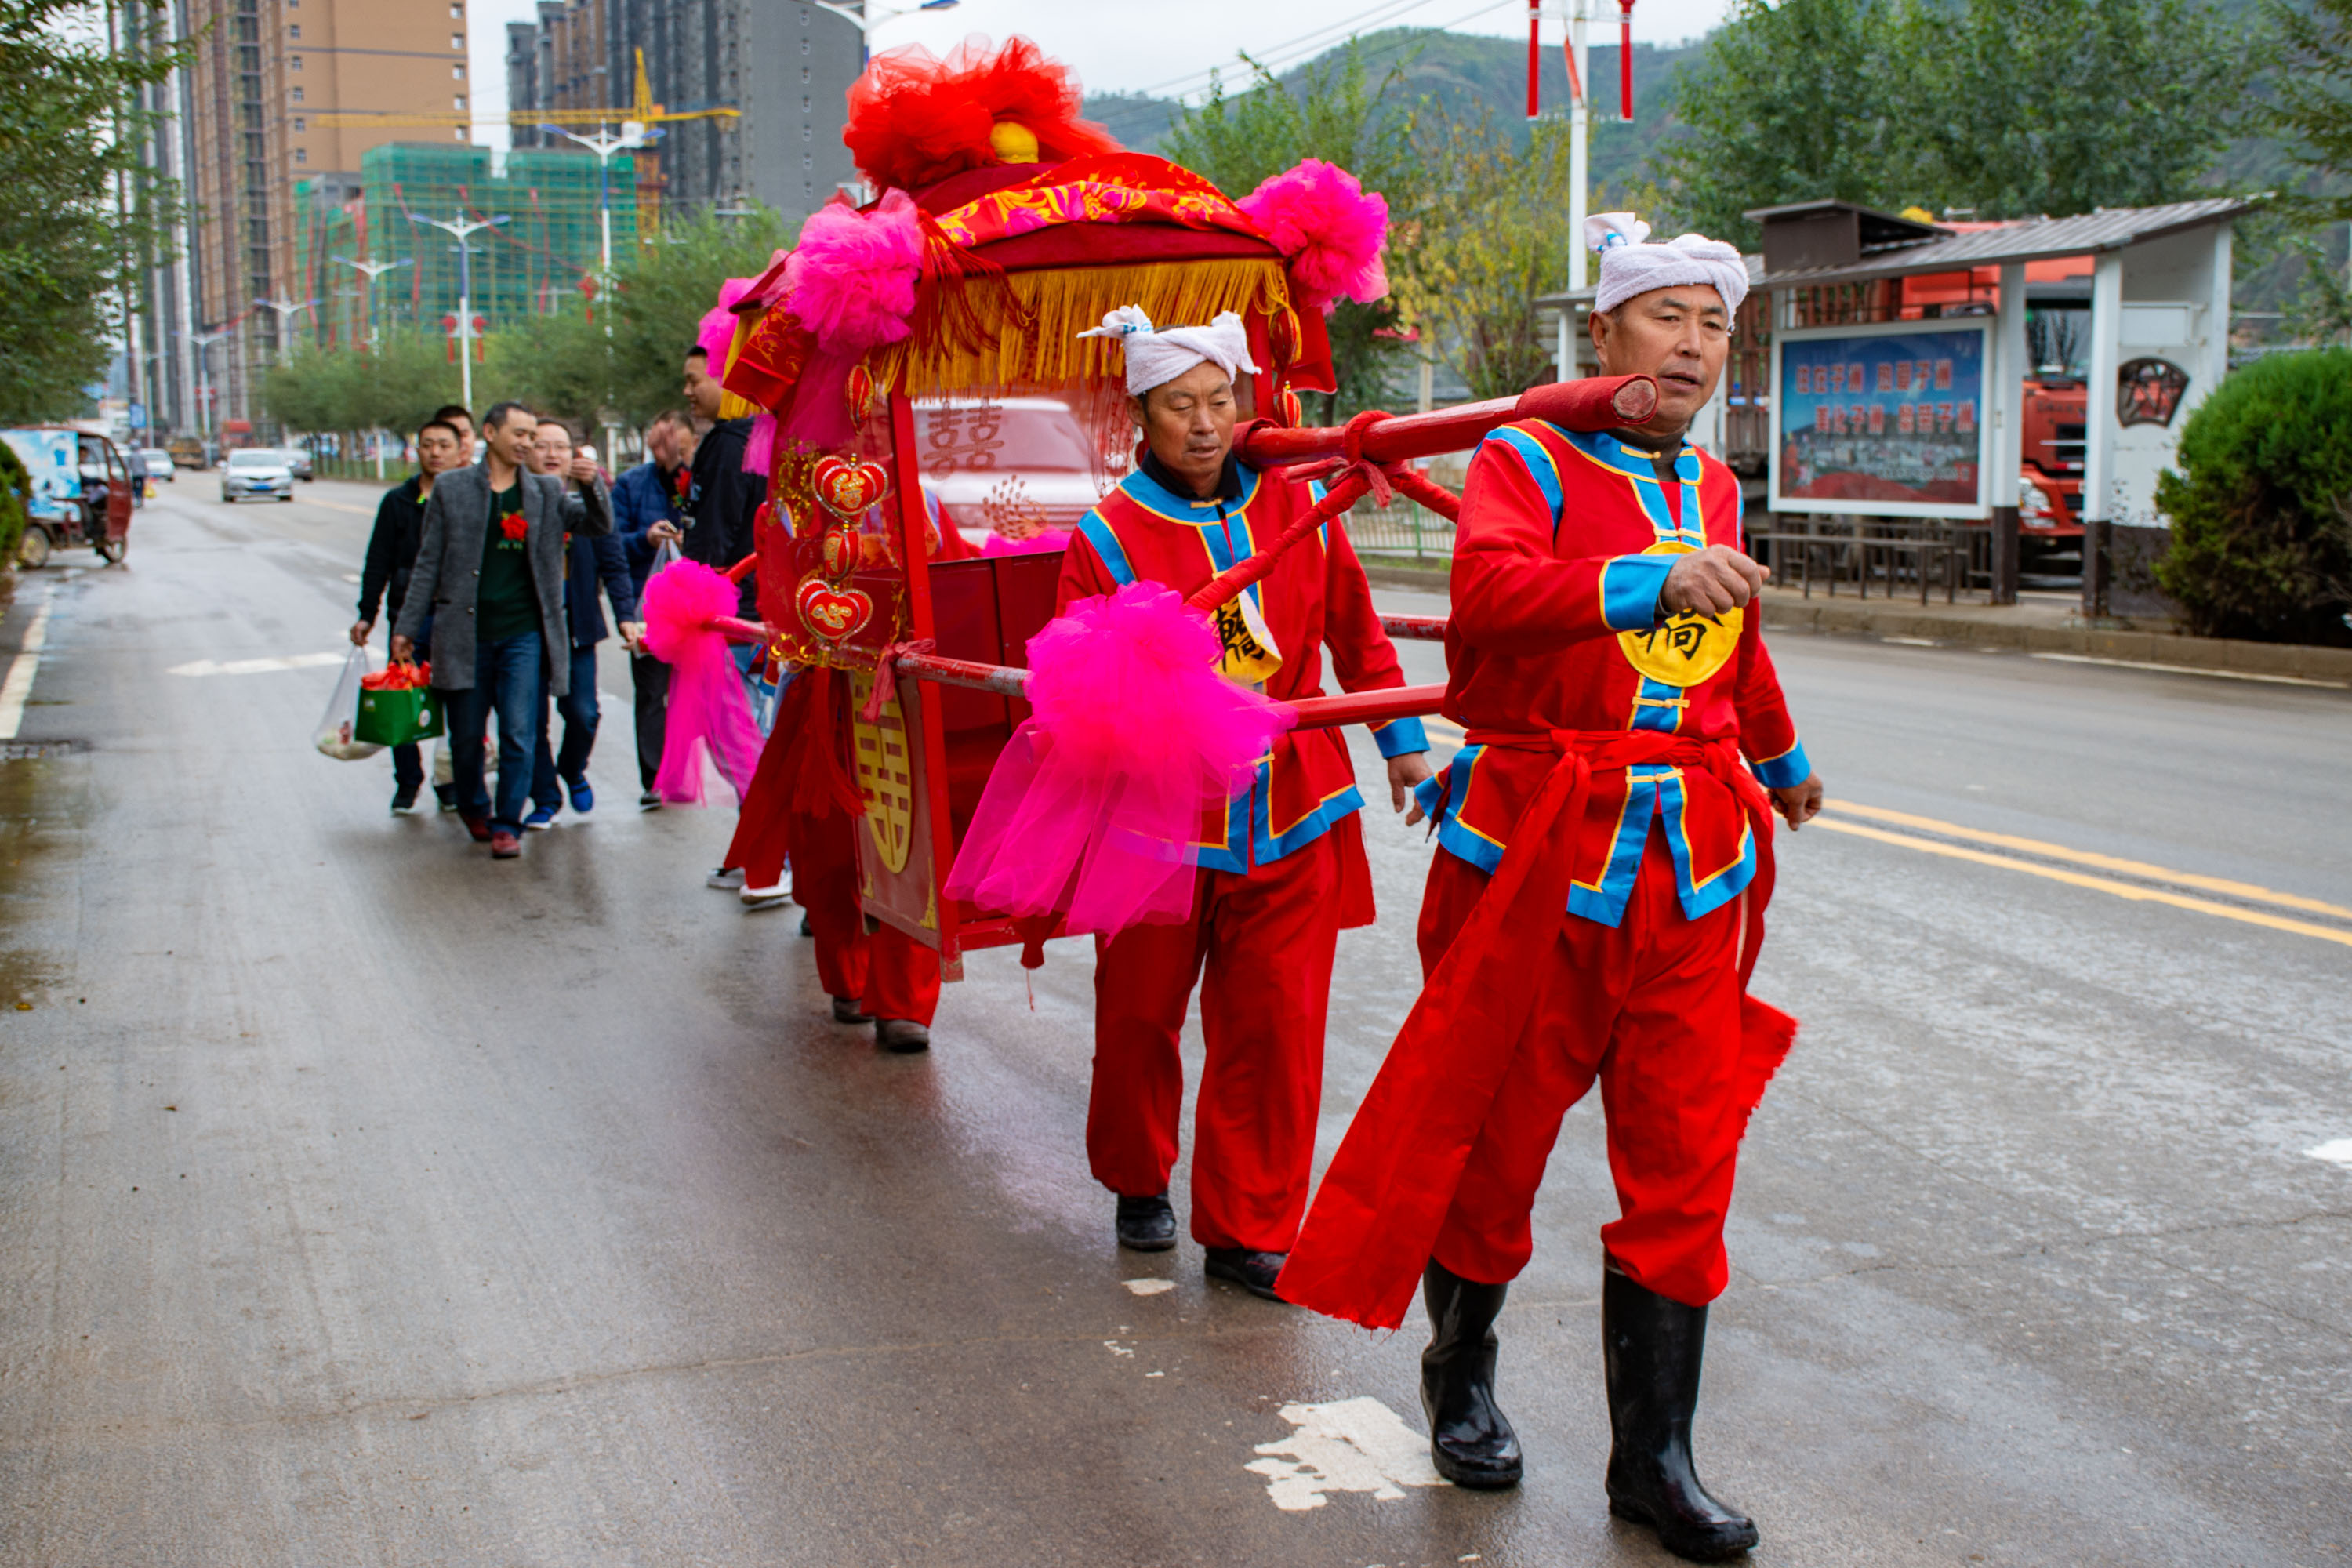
(1148, 46)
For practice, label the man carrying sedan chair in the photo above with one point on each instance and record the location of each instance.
(1595, 912)
(1282, 870)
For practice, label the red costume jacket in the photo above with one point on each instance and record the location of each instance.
(1565, 544)
(1318, 592)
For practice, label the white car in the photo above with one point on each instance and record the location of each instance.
(1014, 466)
(159, 463)
(256, 471)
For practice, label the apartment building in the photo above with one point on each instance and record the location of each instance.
(785, 64)
(265, 75)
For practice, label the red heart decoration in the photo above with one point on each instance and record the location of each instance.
(833, 615)
(848, 489)
(839, 550)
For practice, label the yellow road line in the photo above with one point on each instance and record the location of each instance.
(2088, 857)
(2098, 884)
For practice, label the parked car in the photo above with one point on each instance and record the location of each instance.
(80, 495)
(161, 465)
(187, 452)
(297, 462)
(259, 471)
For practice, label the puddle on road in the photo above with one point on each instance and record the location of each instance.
(1348, 1446)
(25, 975)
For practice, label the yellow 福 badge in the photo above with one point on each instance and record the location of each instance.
(1688, 649)
(1250, 656)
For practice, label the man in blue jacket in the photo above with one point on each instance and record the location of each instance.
(588, 561)
(645, 515)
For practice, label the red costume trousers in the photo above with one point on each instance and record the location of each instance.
(891, 974)
(1650, 1008)
(1266, 939)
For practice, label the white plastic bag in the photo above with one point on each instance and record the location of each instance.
(333, 736)
(664, 553)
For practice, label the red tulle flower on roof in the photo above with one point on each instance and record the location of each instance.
(916, 119)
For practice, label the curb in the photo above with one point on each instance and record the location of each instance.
(2295, 661)
(1419, 579)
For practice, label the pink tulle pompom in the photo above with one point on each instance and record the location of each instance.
(1052, 541)
(1329, 227)
(1094, 809)
(716, 335)
(852, 278)
(760, 449)
(707, 710)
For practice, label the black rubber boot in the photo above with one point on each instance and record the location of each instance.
(1654, 1347)
(1470, 1439)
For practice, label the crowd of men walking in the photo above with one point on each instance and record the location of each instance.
(487, 566)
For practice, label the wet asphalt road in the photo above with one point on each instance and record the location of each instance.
(370, 1203)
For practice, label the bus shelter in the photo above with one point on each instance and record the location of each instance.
(1884, 368)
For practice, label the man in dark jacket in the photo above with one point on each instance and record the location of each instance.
(722, 498)
(645, 515)
(391, 556)
(489, 574)
(588, 562)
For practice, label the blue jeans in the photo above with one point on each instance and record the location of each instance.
(580, 716)
(510, 677)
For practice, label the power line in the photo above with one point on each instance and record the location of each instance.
(1320, 38)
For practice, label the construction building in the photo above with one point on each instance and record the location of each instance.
(543, 261)
(252, 131)
(785, 66)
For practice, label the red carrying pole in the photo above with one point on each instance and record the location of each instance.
(1625, 60)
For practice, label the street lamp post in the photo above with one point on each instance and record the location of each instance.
(204, 342)
(285, 309)
(865, 17)
(460, 228)
(633, 135)
(373, 270)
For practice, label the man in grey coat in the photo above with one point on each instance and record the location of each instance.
(489, 575)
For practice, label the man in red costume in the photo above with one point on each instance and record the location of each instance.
(1282, 868)
(1595, 911)
(802, 803)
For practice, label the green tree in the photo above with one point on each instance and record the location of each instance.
(1790, 103)
(2261, 506)
(2024, 107)
(79, 217)
(2010, 107)
(2311, 102)
(394, 386)
(1332, 110)
(1485, 249)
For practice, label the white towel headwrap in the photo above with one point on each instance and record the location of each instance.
(1631, 266)
(1156, 356)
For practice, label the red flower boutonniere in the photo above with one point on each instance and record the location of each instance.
(514, 525)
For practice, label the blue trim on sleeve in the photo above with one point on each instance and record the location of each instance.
(1630, 586)
(1430, 793)
(1786, 771)
(1107, 549)
(1401, 738)
(1539, 465)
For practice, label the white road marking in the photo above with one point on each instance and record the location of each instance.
(1148, 1287)
(1117, 1348)
(351, 577)
(2335, 1152)
(19, 687)
(258, 665)
(1914, 642)
(1350, 1445)
(2193, 670)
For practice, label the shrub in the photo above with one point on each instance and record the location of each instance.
(16, 489)
(2262, 505)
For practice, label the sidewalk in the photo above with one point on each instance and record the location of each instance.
(2050, 624)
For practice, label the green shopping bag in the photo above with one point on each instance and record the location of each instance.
(398, 717)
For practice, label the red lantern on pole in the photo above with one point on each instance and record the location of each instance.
(1625, 60)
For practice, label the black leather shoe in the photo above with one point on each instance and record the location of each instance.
(903, 1035)
(1253, 1271)
(1470, 1440)
(1147, 1225)
(846, 1010)
(1652, 1347)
